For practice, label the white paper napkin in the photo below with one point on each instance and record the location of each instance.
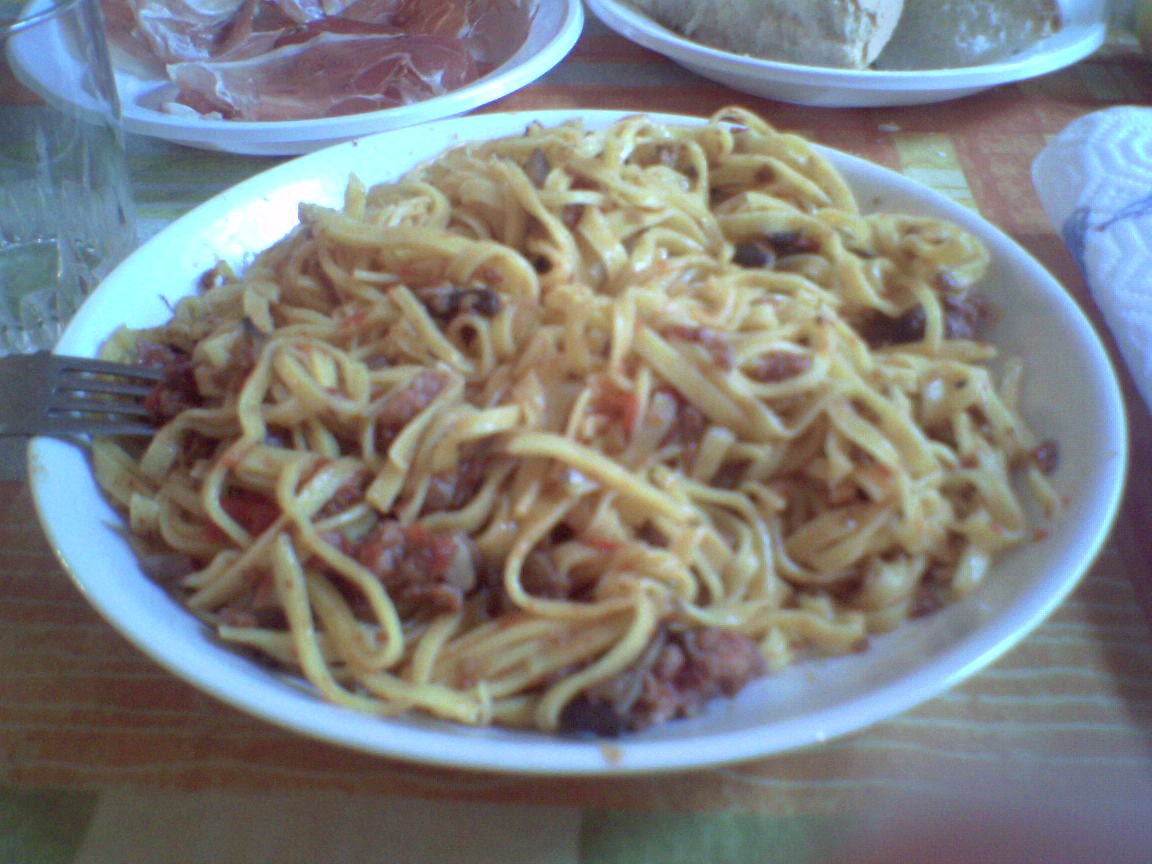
(1095, 182)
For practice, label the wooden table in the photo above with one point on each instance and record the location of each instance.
(104, 757)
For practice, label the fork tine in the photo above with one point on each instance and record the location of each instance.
(83, 367)
(100, 385)
(86, 426)
(69, 405)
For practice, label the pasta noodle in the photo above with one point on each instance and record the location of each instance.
(579, 430)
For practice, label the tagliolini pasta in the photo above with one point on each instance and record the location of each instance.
(579, 430)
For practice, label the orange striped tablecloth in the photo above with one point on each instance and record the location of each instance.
(87, 724)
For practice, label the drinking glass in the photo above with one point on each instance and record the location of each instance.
(66, 213)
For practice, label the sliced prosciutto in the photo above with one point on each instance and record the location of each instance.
(330, 75)
(297, 59)
(172, 31)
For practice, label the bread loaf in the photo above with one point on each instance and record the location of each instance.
(943, 34)
(841, 33)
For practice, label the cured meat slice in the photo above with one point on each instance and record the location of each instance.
(331, 75)
(176, 30)
(301, 59)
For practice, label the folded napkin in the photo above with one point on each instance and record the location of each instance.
(1095, 182)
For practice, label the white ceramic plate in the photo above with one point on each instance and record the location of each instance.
(555, 29)
(811, 702)
(1083, 32)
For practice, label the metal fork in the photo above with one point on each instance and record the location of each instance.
(61, 397)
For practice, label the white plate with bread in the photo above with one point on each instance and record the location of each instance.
(862, 53)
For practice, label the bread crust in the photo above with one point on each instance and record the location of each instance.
(847, 34)
(943, 34)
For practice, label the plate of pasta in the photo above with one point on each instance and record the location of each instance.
(597, 443)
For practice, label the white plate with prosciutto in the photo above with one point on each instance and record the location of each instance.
(284, 77)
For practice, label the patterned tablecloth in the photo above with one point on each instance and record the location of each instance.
(105, 758)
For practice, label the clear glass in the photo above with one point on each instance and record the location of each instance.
(66, 213)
